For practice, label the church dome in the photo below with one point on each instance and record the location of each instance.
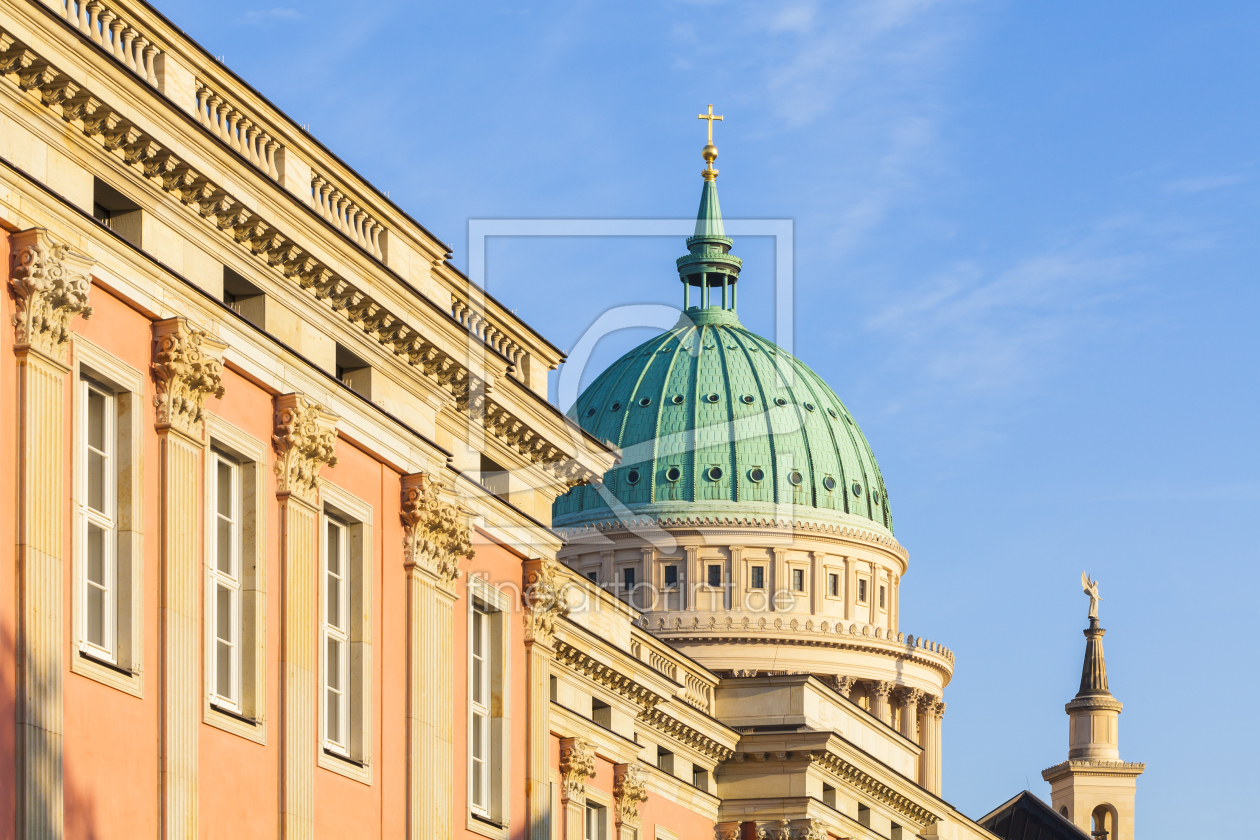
(714, 420)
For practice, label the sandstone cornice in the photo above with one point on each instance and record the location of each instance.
(662, 722)
(1094, 767)
(606, 675)
(858, 778)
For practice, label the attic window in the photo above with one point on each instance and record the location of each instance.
(645, 402)
(747, 398)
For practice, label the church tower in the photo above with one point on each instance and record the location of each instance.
(1094, 788)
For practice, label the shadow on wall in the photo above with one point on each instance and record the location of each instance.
(80, 810)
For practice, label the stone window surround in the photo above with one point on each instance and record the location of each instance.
(129, 385)
(252, 455)
(598, 798)
(500, 605)
(357, 516)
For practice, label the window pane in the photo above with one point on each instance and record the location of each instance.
(715, 576)
(96, 616)
(224, 481)
(334, 601)
(223, 546)
(96, 555)
(96, 481)
(333, 665)
(224, 630)
(478, 644)
(223, 670)
(333, 723)
(478, 739)
(333, 548)
(477, 686)
(96, 405)
(671, 575)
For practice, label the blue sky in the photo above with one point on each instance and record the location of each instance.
(1025, 257)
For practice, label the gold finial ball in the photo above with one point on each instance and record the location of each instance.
(710, 153)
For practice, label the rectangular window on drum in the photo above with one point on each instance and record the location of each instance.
(627, 579)
(98, 522)
(671, 576)
(833, 585)
(758, 577)
(715, 575)
(862, 591)
(881, 597)
(798, 580)
(225, 581)
(336, 670)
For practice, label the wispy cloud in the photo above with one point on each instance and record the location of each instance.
(277, 14)
(1203, 183)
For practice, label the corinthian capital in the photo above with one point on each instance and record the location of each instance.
(881, 688)
(304, 439)
(435, 532)
(629, 788)
(843, 685)
(577, 764)
(187, 367)
(543, 599)
(50, 284)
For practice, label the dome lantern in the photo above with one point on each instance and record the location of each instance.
(709, 263)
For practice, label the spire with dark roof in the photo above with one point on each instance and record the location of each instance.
(709, 263)
(1094, 671)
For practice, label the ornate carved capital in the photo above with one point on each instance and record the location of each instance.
(629, 788)
(937, 708)
(726, 831)
(843, 685)
(577, 764)
(543, 599)
(774, 829)
(50, 284)
(187, 367)
(881, 688)
(911, 696)
(435, 532)
(304, 439)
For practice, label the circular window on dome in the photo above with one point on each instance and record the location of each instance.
(673, 474)
(833, 414)
(809, 406)
(645, 402)
(633, 476)
(677, 399)
(615, 407)
(747, 399)
(875, 496)
(857, 489)
(795, 478)
(715, 473)
(712, 398)
(590, 412)
(779, 401)
(756, 474)
(829, 483)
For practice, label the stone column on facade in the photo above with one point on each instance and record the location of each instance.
(779, 583)
(435, 537)
(736, 585)
(629, 789)
(880, 689)
(929, 740)
(652, 577)
(187, 367)
(910, 712)
(694, 577)
(938, 714)
(50, 285)
(850, 589)
(607, 571)
(577, 764)
(543, 601)
(304, 441)
(843, 685)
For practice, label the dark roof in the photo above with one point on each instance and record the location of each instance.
(1028, 818)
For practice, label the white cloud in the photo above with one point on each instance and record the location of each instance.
(1202, 183)
(277, 14)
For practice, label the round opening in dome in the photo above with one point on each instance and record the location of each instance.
(590, 412)
(829, 483)
(747, 398)
(677, 399)
(857, 489)
(633, 476)
(645, 402)
(780, 401)
(795, 478)
(673, 474)
(875, 496)
(715, 473)
(712, 398)
(833, 414)
(615, 407)
(809, 406)
(756, 474)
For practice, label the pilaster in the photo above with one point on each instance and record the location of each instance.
(577, 764)
(435, 537)
(304, 441)
(50, 285)
(187, 367)
(629, 789)
(693, 577)
(543, 601)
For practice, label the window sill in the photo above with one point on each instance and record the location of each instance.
(486, 827)
(107, 673)
(251, 729)
(360, 771)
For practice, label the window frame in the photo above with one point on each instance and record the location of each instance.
(708, 571)
(757, 577)
(797, 576)
(340, 743)
(231, 580)
(251, 456)
(863, 591)
(124, 670)
(354, 758)
(491, 819)
(833, 584)
(105, 521)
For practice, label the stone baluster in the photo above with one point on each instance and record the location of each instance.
(629, 789)
(187, 368)
(304, 441)
(234, 118)
(50, 285)
(273, 169)
(880, 689)
(128, 57)
(343, 211)
(249, 134)
(543, 599)
(150, 63)
(436, 537)
(116, 27)
(577, 764)
(94, 9)
(203, 94)
(81, 19)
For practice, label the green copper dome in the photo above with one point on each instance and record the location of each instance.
(715, 421)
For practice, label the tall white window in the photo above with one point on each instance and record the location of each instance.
(336, 601)
(226, 576)
(98, 522)
(479, 722)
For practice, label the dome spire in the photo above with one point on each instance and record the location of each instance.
(709, 263)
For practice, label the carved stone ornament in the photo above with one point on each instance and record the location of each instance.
(435, 532)
(774, 830)
(50, 285)
(882, 688)
(629, 788)
(843, 685)
(726, 831)
(304, 439)
(187, 368)
(577, 764)
(544, 599)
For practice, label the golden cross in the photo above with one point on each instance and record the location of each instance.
(709, 116)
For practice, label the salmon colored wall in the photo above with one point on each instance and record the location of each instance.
(110, 735)
(659, 811)
(500, 568)
(8, 553)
